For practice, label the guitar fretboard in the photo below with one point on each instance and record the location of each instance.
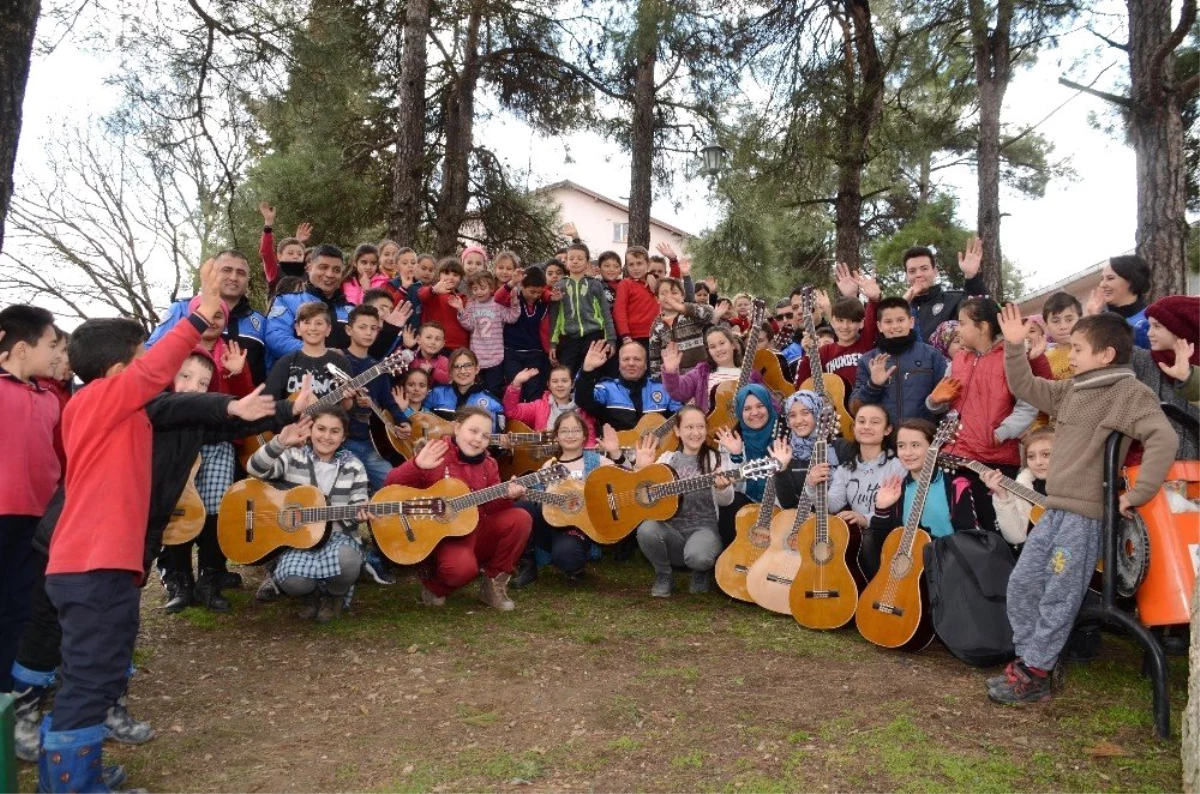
(1010, 485)
(822, 493)
(476, 498)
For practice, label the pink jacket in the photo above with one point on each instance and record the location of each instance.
(354, 291)
(536, 414)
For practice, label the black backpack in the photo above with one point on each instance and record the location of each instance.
(966, 574)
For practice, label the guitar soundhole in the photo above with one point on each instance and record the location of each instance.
(574, 504)
(822, 552)
(642, 494)
(901, 565)
(790, 543)
(291, 518)
(760, 539)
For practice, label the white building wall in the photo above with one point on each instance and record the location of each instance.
(595, 221)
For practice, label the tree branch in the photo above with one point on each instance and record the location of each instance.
(1120, 101)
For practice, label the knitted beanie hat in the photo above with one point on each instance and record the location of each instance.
(473, 249)
(1179, 314)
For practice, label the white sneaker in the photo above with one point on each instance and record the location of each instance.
(494, 592)
(429, 599)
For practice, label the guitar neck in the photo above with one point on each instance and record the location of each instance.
(691, 484)
(315, 515)
(756, 321)
(547, 498)
(338, 393)
(1008, 484)
(764, 515)
(477, 498)
(918, 505)
(820, 500)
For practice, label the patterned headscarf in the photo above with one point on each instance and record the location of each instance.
(943, 335)
(802, 446)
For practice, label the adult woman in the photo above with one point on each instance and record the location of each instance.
(723, 362)
(463, 390)
(751, 441)
(1124, 285)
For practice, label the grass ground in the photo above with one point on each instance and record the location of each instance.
(600, 688)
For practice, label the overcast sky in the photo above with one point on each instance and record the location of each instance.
(1076, 224)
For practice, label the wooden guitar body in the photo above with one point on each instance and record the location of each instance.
(252, 444)
(750, 544)
(574, 512)
(618, 500)
(407, 539)
(390, 447)
(893, 608)
(648, 424)
(767, 364)
(187, 519)
(523, 458)
(835, 387)
(770, 577)
(256, 520)
(723, 413)
(824, 594)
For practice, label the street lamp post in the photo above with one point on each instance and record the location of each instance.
(714, 159)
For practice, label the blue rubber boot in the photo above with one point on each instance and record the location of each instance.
(72, 761)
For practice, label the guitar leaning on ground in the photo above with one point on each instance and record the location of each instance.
(893, 610)
(753, 527)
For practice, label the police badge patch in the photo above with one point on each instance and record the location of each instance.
(656, 396)
(278, 310)
(937, 308)
(255, 323)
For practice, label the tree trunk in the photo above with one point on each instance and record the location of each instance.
(863, 74)
(1191, 713)
(992, 53)
(460, 139)
(408, 170)
(641, 139)
(1156, 132)
(18, 24)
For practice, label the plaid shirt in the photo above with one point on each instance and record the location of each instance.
(216, 474)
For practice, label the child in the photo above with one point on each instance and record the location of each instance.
(703, 294)
(609, 263)
(1050, 579)
(497, 542)
(1061, 311)
(31, 465)
(543, 413)
(741, 313)
(310, 452)
(313, 325)
(426, 268)
(1012, 512)
(474, 260)
(436, 303)
(1171, 320)
(582, 316)
(854, 332)
(690, 538)
(945, 339)
(464, 389)
(527, 339)
(231, 376)
(507, 267)
(92, 577)
(364, 327)
(948, 504)
(364, 273)
(723, 364)
(801, 410)
(431, 341)
(636, 307)
(680, 322)
(555, 272)
(389, 254)
(567, 548)
(485, 318)
(411, 393)
(286, 260)
(901, 371)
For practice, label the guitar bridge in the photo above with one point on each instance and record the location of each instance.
(822, 594)
(249, 520)
(740, 569)
(888, 609)
(774, 577)
(612, 505)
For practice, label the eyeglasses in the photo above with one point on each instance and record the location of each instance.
(570, 431)
(464, 365)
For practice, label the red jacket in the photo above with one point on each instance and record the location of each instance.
(477, 477)
(30, 466)
(635, 309)
(984, 403)
(536, 414)
(437, 308)
(108, 438)
(843, 360)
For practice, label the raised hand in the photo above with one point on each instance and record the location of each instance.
(671, 303)
(880, 371)
(1039, 347)
(233, 359)
(969, 261)
(524, 375)
(303, 233)
(455, 302)
(869, 286)
(210, 290)
(432, 454)
(847, 280)
(409, 337)
(399, 395)
(596, 356)
(666, 250)
(1014, 328)
(889, 492)
(711, 281)
(822, 305)
(1095, 303)
(731, 440)
(672, 357)
(685, 267)
(569, 230)
(268, 213)
(253, 406)
(781, 451)
(722, 308)
(1181, 370)
(609, 441)
(296, 435)
(946, 391)
(305, 397)
(400, 315)
(646, 451)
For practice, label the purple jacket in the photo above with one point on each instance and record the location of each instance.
(694, 385)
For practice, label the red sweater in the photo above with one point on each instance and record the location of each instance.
(477, 477)
(437, 308)
(29, 467)
(108, 438)
(843, 360)
(635, 309)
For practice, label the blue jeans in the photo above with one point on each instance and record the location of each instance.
(377, 468)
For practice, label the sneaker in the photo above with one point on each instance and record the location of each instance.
(123, 728)
(28, 720)
(702, 582)
(309, 610)
(329, 607)
(1025, 687)
(527, 573)
(664, 585)
(373, 566)
(267, 591)
(229, 580)
(1008, 675)
(430, 599)
(494, 592)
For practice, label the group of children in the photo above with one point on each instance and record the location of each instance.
(575, 348)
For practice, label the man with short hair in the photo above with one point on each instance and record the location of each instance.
(325, 269)
(932, 304)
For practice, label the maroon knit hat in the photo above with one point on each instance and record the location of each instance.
(1179, 314)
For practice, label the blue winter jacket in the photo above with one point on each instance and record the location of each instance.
(445, 401)
(246, 327)
(919, 368)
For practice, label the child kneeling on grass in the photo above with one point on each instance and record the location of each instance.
(1050, 580)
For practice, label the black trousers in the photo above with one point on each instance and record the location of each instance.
(98, 612)
(573, 349)
(985, 510)
(727, 518)
(178, 558)
(517, 360)
(17, 573)
(42, 638)
(568, 551)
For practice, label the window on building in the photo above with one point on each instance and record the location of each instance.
(620, 232)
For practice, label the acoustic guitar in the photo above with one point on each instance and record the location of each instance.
(431, 426)
(393, 364)
(563, 506)
(527, 449)
(449, 508)
(187, 519)
(618, 499)
(382, 430)
(1012, 486)
(766, 361)
(753, 526)
(893, 608)
(655, 425)
(723, 412)
(829, 386)
(824, 592)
